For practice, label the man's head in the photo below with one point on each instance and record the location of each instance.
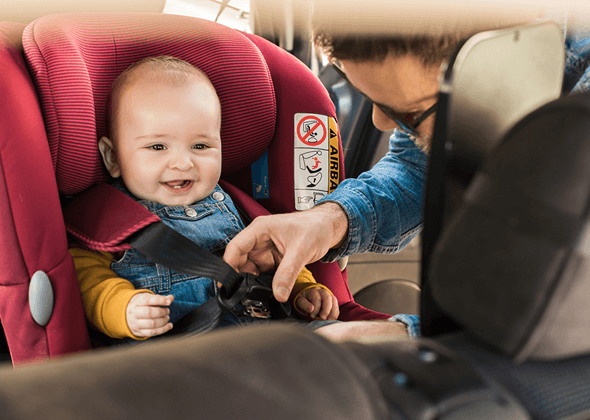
(165, 121)
(399, 71)
(398, 74)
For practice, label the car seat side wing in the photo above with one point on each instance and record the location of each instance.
(31, 226)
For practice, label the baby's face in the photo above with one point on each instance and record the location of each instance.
(168, 144)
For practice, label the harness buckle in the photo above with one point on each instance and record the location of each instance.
(259, 301)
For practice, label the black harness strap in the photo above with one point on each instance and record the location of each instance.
(167, 247)
(171, 249)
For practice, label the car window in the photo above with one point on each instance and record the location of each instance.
(234, 13)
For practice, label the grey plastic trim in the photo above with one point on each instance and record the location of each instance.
(41, 298)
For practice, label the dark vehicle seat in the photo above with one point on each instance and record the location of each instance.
(72, 60)
(511, 268)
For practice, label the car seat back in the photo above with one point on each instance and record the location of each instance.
(523, 233)
(510, 265)
(493, 80)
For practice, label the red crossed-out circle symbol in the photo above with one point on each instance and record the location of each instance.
(311, 130)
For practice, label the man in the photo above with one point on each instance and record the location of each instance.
(404, 88)
(380, 211)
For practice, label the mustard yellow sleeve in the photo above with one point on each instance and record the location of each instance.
(104, 295)
(304, 281)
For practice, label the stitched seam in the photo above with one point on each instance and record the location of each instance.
(100, 245)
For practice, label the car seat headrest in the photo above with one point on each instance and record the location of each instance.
(513, 265)
(73, 59)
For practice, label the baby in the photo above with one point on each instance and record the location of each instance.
(164, 151)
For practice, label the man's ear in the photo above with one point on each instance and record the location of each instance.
(109, 157)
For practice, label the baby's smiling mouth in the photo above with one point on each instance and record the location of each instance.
(178, 185)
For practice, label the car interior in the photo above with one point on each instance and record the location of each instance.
(500, 270)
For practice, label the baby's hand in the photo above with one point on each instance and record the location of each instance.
(318, 303)
(147, 314)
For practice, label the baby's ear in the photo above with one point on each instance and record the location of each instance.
(109, 157)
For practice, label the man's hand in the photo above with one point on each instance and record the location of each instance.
(147, 314)
(287, 242)
(318, 303)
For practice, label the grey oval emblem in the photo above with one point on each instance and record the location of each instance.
(41, 298)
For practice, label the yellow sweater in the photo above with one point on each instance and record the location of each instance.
(105, 296)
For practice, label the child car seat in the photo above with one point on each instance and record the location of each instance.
(73, 59)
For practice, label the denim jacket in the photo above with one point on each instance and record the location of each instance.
(577, 60)
(211, 222)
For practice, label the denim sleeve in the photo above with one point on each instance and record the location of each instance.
(412, 323)
(576, 77)
(384, 204)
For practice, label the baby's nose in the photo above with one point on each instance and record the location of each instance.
(181, 162)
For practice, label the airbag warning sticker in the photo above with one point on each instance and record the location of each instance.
(317, 158)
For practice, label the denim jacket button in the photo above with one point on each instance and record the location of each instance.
(190, 212)
(218, 196)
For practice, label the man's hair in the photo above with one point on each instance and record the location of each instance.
(173, 69)
(359, 34)
(430, 50)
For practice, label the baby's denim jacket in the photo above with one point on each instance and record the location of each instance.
(211, 223)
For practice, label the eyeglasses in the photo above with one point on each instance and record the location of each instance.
(407, 122)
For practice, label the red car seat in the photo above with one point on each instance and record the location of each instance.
(73, 60)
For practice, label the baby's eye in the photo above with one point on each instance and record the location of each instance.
(157, 147)
(199, 146)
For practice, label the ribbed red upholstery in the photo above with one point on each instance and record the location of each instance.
(32, 232)
(73, 60)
